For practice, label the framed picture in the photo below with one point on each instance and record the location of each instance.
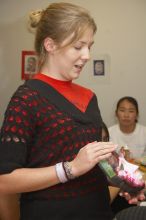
(29, 64)
(99, 67)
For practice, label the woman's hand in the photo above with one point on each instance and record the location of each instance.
(90, 155)
(133, 199)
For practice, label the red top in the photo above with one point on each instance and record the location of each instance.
(76, 94)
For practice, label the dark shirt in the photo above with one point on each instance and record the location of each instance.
(42, 128)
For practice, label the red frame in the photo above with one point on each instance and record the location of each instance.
(25, 56)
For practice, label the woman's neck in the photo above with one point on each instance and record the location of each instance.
(127, 129)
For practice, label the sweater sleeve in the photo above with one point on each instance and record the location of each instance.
(15, 134)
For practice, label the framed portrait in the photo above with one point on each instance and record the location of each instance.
(99, 67)
(29, 64)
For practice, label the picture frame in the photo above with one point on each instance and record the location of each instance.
(29, 64)
(99, 67)
(102, 76)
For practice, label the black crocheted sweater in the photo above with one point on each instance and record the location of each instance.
(40, 130)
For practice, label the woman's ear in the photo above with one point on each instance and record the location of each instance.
(49, 44)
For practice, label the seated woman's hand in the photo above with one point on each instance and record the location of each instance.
(133, 199)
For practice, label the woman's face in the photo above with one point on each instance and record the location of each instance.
(67, 62)
(126, 113)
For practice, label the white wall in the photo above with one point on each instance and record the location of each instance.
(120, 40)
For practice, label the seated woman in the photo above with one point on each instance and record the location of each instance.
(129, 134)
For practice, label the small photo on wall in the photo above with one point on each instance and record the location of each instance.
(99, 67)
(29, 64)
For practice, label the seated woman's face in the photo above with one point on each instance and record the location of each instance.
(126, 113)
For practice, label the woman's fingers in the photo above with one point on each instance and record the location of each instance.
(101, 146)
(133, 199)
(90, 155)
(100, 149)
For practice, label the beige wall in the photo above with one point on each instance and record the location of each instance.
(120, 40)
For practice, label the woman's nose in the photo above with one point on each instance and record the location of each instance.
(126, 113)
(86, 55)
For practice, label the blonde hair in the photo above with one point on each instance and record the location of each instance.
(58, 21)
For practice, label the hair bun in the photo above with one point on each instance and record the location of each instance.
(34, 18)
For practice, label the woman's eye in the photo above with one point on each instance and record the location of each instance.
(77, 48)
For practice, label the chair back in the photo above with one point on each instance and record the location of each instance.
(132, 213)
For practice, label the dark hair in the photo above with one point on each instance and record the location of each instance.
(105, 129)
(129, 99)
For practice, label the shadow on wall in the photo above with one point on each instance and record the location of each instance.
(12, 42)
